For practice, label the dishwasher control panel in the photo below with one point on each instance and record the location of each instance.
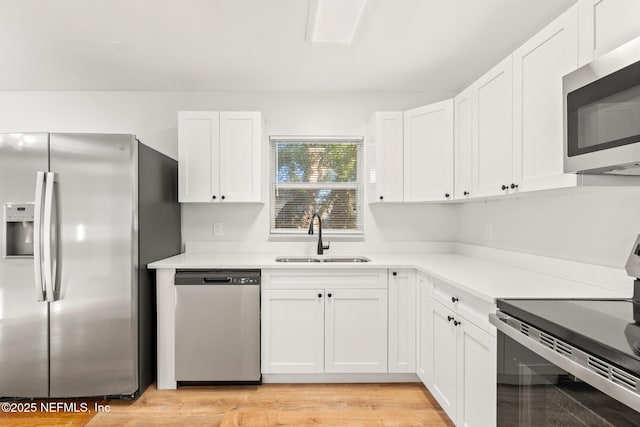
(217, 277)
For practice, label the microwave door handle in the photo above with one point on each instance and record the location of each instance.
(47, 236)
(37, 236)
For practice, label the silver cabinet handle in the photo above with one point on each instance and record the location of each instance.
(49, 270)
(37, 236)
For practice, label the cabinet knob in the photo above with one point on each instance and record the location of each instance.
(449, 318)
(381, 197)
(466, 193)
(504, 187)
(456, 323)
(514, 185)
(454, 299)
(222, 197)
(214, 197)
(319, 295)
(447, 195)
(329, 295)
(395, 273)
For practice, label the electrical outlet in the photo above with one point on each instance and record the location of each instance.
(488, 232)
(218, 229)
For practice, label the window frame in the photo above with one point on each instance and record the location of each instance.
(358, 185)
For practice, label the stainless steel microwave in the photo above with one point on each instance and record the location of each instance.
(602, 114)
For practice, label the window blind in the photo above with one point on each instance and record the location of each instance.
(316, 175)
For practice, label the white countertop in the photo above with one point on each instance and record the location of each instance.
(484, 279)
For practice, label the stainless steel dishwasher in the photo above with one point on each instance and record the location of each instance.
(218, 326)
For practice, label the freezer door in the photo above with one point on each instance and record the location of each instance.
(93, 341)
(23, 320)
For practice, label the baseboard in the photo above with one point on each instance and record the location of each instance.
(340, 378)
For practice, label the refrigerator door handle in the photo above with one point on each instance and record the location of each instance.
(37, 236)
(49, 264)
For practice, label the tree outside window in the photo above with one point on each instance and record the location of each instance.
(316, 176)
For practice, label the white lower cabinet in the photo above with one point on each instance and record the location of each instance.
(456, 360)
(355, 330)
(424, 367)
(402, 320)
(476, 368)
(441, 333)
(293, 331)
(330, 329)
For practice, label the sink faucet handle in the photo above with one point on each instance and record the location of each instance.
(325, 246)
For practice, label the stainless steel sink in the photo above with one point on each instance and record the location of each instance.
(297, 259)
(332, 259)
(347, 259)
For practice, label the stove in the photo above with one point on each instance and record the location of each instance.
(566, 362)
(607, 329)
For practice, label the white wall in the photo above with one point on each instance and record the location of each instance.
(589, 226)
(152, 116)
(596, 226)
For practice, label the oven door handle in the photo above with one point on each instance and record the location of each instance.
(577, 365)
(498, 319)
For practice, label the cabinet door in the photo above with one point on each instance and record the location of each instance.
(292, 331)
(442, 335)
(605, 25)
(240, 156)
(476, 353)
(538, 67)
(198, 150)
(402, 320)
(386, 161)
(493, 131)
(463, 144)
(428, 152)
(424, 333)
(356, 330)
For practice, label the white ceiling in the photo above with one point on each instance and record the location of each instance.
(256, 45)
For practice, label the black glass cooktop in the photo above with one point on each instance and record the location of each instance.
(605, 328)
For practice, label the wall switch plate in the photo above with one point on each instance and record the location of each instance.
(218, 229)
(488, 232)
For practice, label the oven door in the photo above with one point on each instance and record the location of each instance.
(602, 113)
(532, 391)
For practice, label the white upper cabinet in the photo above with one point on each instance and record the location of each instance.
(240, 156)
(463, 144)
(493, 130)
(198, 151)
(386, 161)
(428, 152)
(605, 25)
(219, 156)
(538, 67)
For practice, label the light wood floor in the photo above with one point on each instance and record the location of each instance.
(407, 404)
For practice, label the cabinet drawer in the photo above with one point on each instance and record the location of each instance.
(462, 303)
(323, 278)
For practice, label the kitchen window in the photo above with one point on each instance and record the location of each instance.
(316, 175)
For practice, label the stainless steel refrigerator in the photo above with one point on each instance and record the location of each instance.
(82, 216)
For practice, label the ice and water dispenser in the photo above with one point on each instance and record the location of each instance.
(18, 230)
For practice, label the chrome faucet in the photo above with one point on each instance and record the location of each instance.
(321, 246)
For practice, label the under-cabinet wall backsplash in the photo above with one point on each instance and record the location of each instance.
(596, 226)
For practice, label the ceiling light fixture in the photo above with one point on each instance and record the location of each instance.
(334, 21)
